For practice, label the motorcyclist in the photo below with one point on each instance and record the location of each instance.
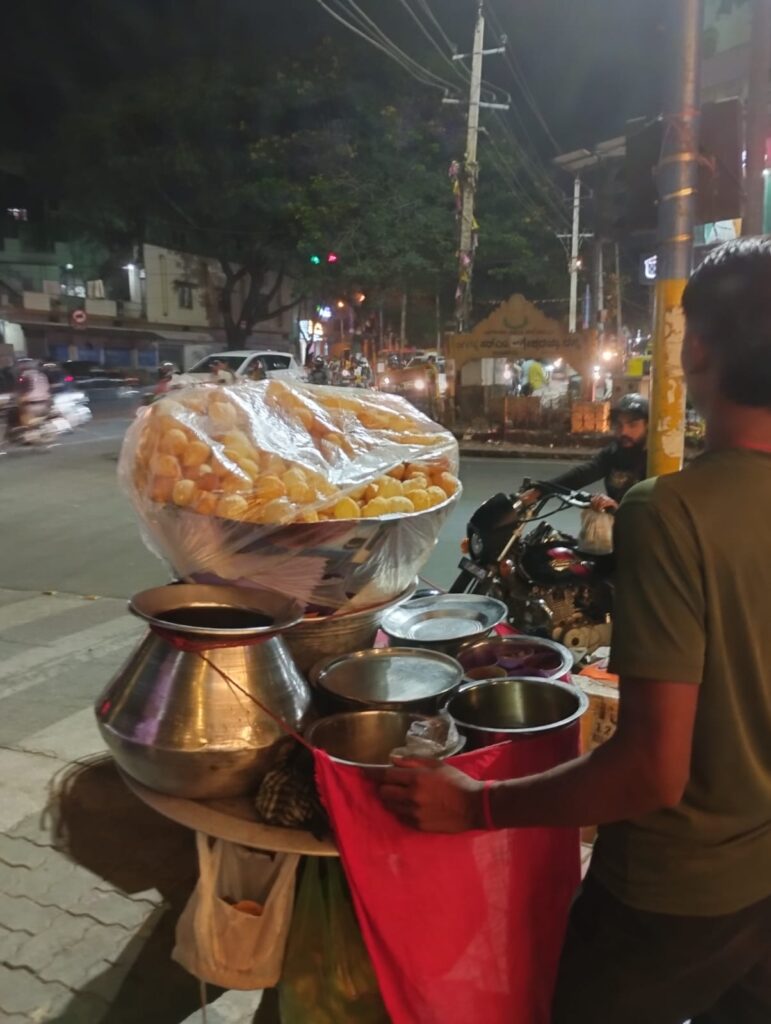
(361, 370)
(319, 373)
(166, 372)
(32, 392)
(622, 464)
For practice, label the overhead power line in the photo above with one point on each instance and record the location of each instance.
(386, 46)
(520, 79)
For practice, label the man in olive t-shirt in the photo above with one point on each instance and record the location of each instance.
(674, 919)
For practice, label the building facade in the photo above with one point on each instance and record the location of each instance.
(158, 306)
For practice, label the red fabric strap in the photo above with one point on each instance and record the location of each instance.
(199, 647)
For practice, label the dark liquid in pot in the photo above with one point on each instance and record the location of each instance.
(216, 617)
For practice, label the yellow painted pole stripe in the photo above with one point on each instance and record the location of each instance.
(666, 435)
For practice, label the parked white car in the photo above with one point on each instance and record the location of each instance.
(246, 363)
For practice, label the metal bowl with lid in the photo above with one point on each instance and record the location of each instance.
(443, 622)
(409, 679)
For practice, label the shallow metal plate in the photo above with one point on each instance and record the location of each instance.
(396, 675)
(444, 617)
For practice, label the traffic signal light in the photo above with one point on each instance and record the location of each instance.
(331, 257)
(315, 260)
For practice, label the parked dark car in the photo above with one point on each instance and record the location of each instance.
(104, 390)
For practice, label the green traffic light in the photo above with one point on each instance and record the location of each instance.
(315, 260)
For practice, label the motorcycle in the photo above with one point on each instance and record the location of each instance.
(69, 410)
(551, 587)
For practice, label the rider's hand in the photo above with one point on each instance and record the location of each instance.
(530, 497)
(602, 503)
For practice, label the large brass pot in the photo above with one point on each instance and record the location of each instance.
(170, 719)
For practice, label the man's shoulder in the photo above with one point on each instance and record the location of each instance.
(665, 496)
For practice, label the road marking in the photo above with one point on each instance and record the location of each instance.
(99, 640)
(31, 609)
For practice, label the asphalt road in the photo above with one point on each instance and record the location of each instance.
(66, 526)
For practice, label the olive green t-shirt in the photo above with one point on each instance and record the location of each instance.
(693, 605)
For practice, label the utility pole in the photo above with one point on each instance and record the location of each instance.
(575, 237)
(599, 285)
(470, 176)
(575, 241)
(574, 163)
(677, 179)
(757, 115)
(619, 314)
(470, 172)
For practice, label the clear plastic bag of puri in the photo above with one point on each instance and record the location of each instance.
(333, 496)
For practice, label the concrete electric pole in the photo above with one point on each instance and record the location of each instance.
(575, 242)
(470, 173)
(677, 179)
(757, 115)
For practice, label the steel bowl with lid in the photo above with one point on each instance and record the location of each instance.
(443, 622)
(409, 679)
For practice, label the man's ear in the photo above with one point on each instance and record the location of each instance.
(696, 356)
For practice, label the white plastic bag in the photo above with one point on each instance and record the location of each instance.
(227, 947)
(596, 532)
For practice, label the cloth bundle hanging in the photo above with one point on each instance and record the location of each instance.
(237, 948)
(459, 927)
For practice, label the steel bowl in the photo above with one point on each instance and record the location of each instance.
(391, 678)
(444, 622)
(365, 739)
(344, 564)
(479, 655)
(497, 710)
(326, 636)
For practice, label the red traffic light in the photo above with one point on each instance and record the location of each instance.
(332, 257)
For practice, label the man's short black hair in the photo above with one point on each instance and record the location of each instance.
(727, 304)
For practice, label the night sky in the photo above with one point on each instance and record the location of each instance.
(590, 63)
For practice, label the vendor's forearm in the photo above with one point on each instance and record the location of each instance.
(604, 786)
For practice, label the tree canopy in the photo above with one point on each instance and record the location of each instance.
(262, 166)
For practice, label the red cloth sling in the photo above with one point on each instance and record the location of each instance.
(466, 927)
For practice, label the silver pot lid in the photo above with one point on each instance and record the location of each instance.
(226, 612)
(388, 675)
(444, 617)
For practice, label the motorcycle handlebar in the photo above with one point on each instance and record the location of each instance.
(577, 499)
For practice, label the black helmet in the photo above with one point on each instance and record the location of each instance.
(318, 361)
(633, 406)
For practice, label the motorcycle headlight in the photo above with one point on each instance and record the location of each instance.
(476, 545)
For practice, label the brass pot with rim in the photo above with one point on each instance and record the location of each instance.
(170, 719)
